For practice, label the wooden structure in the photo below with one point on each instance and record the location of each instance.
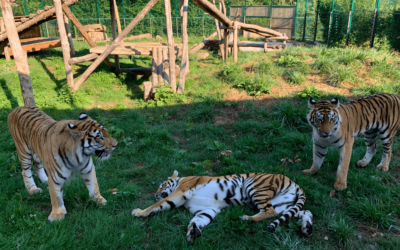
(163, 69)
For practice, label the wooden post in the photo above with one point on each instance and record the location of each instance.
(67, 28)
(115, 43)
(160, 65)
(185, 49)
(221, 40)
(20, 58)
(226, 41)
(154, 67)
(147, 86)
(114, 30)
(64, 42)
(217, 26)
(235, 41)
(79, 26)
(117, 17)
(171, 51)
(165, 65)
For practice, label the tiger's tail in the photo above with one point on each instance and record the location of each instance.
(301, 199)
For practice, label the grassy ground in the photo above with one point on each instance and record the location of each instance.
(187, 132)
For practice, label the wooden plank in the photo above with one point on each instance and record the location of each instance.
(64, 42)
(79, 26)
(170, 38)
(201, 45)
(185, 54)
(114, 30)
(165, 66)
(235, 42)
(226, 46)
(160, 65)
(21, 60)
(128, 50)
(38, 44)
(154, 67)
(117, 41)
(85, 58)
(67, 28)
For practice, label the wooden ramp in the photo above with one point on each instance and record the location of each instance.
(142, 49)
(33, 45)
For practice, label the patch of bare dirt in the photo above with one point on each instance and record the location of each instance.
(228, 114)
(367, 231)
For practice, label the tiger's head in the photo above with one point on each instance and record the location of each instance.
(167, 187)
(93, 137)
(324, 116)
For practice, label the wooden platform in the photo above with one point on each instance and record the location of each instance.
(143, 49)
(34, 44)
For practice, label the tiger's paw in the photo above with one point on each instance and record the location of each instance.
(138, 212)
(245, 217)
(340, 185)
(382, 168)
(59, 214)
(307, 172)
(271, 228)
(100, 200)
(33, 190)
(361, 164)
(193, 232)
(307, 229)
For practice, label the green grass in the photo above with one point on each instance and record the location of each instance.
(180, 134)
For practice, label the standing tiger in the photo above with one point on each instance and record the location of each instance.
(337, 125)
(61, 148)
(205, 196)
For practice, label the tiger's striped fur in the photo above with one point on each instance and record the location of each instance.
(60, 148)
(337, 125)
(205, 196)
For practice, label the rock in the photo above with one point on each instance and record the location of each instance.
(147, 35)
(158, 37)
(202, 55)
(94, 27)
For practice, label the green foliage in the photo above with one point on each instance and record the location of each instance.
(288, 61)
(339, 75)
(372, 210)
(310, 92)
(295, 77)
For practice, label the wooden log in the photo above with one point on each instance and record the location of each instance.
(116, 41)
(202, 55)
(226, 41)
(185, 55)
(170, 38)
(114, 31)
(31, 15)
(85, 58)
(141, 36)
(223, 10)
(201, 45)
(259, 44)
(165, 65)
(154, 67)
(147, 89)
(39, 12)
(217, 26)
(235, 42)
(21, 60)
(95, 28)
(48, 7)
(160, 66)
(68, 30)
(64, 42)
(265, 46)
(254, 49)
(34, 44)
(221, 40)
(117, 16)
(123, 49)
(37, 19)
(79, 26)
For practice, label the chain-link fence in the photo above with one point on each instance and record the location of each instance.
(366, 23)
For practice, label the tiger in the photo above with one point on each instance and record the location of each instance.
(338, 124)
(205, 196)
(61, 148)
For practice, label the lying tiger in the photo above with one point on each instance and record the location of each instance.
(205, 196)
(60, 147)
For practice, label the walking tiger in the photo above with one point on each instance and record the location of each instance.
(60, 148)
(337, 125)
(205, 196)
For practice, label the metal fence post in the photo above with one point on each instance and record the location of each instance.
(203, 23)
(26, 8)
(98, 10)
(123, 12)
(316, 22)
(305, 22)
(47, 30)
(295, 20)
(349, 23)
(151, 28)
(330, 23)
(229, 9)
(176, 16)
(371, 42)
(245, 8)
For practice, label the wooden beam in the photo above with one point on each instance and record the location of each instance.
(171, 51)
(201, 45)
(68, 29)
(79, 26)
(165, 65)
(85, 58)
(64, 42)
(114, 30)
(117, 17)
(235, 42)
(117, 41)
(21, 60)
(154, 67)
(36, 20)
(160, 66)
(226, 41)
(221, 40)
(185, 40)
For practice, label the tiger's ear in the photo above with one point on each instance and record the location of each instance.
(175, 174)
(311, 103)
(75, 133)
(335, 102)
(83, 116)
